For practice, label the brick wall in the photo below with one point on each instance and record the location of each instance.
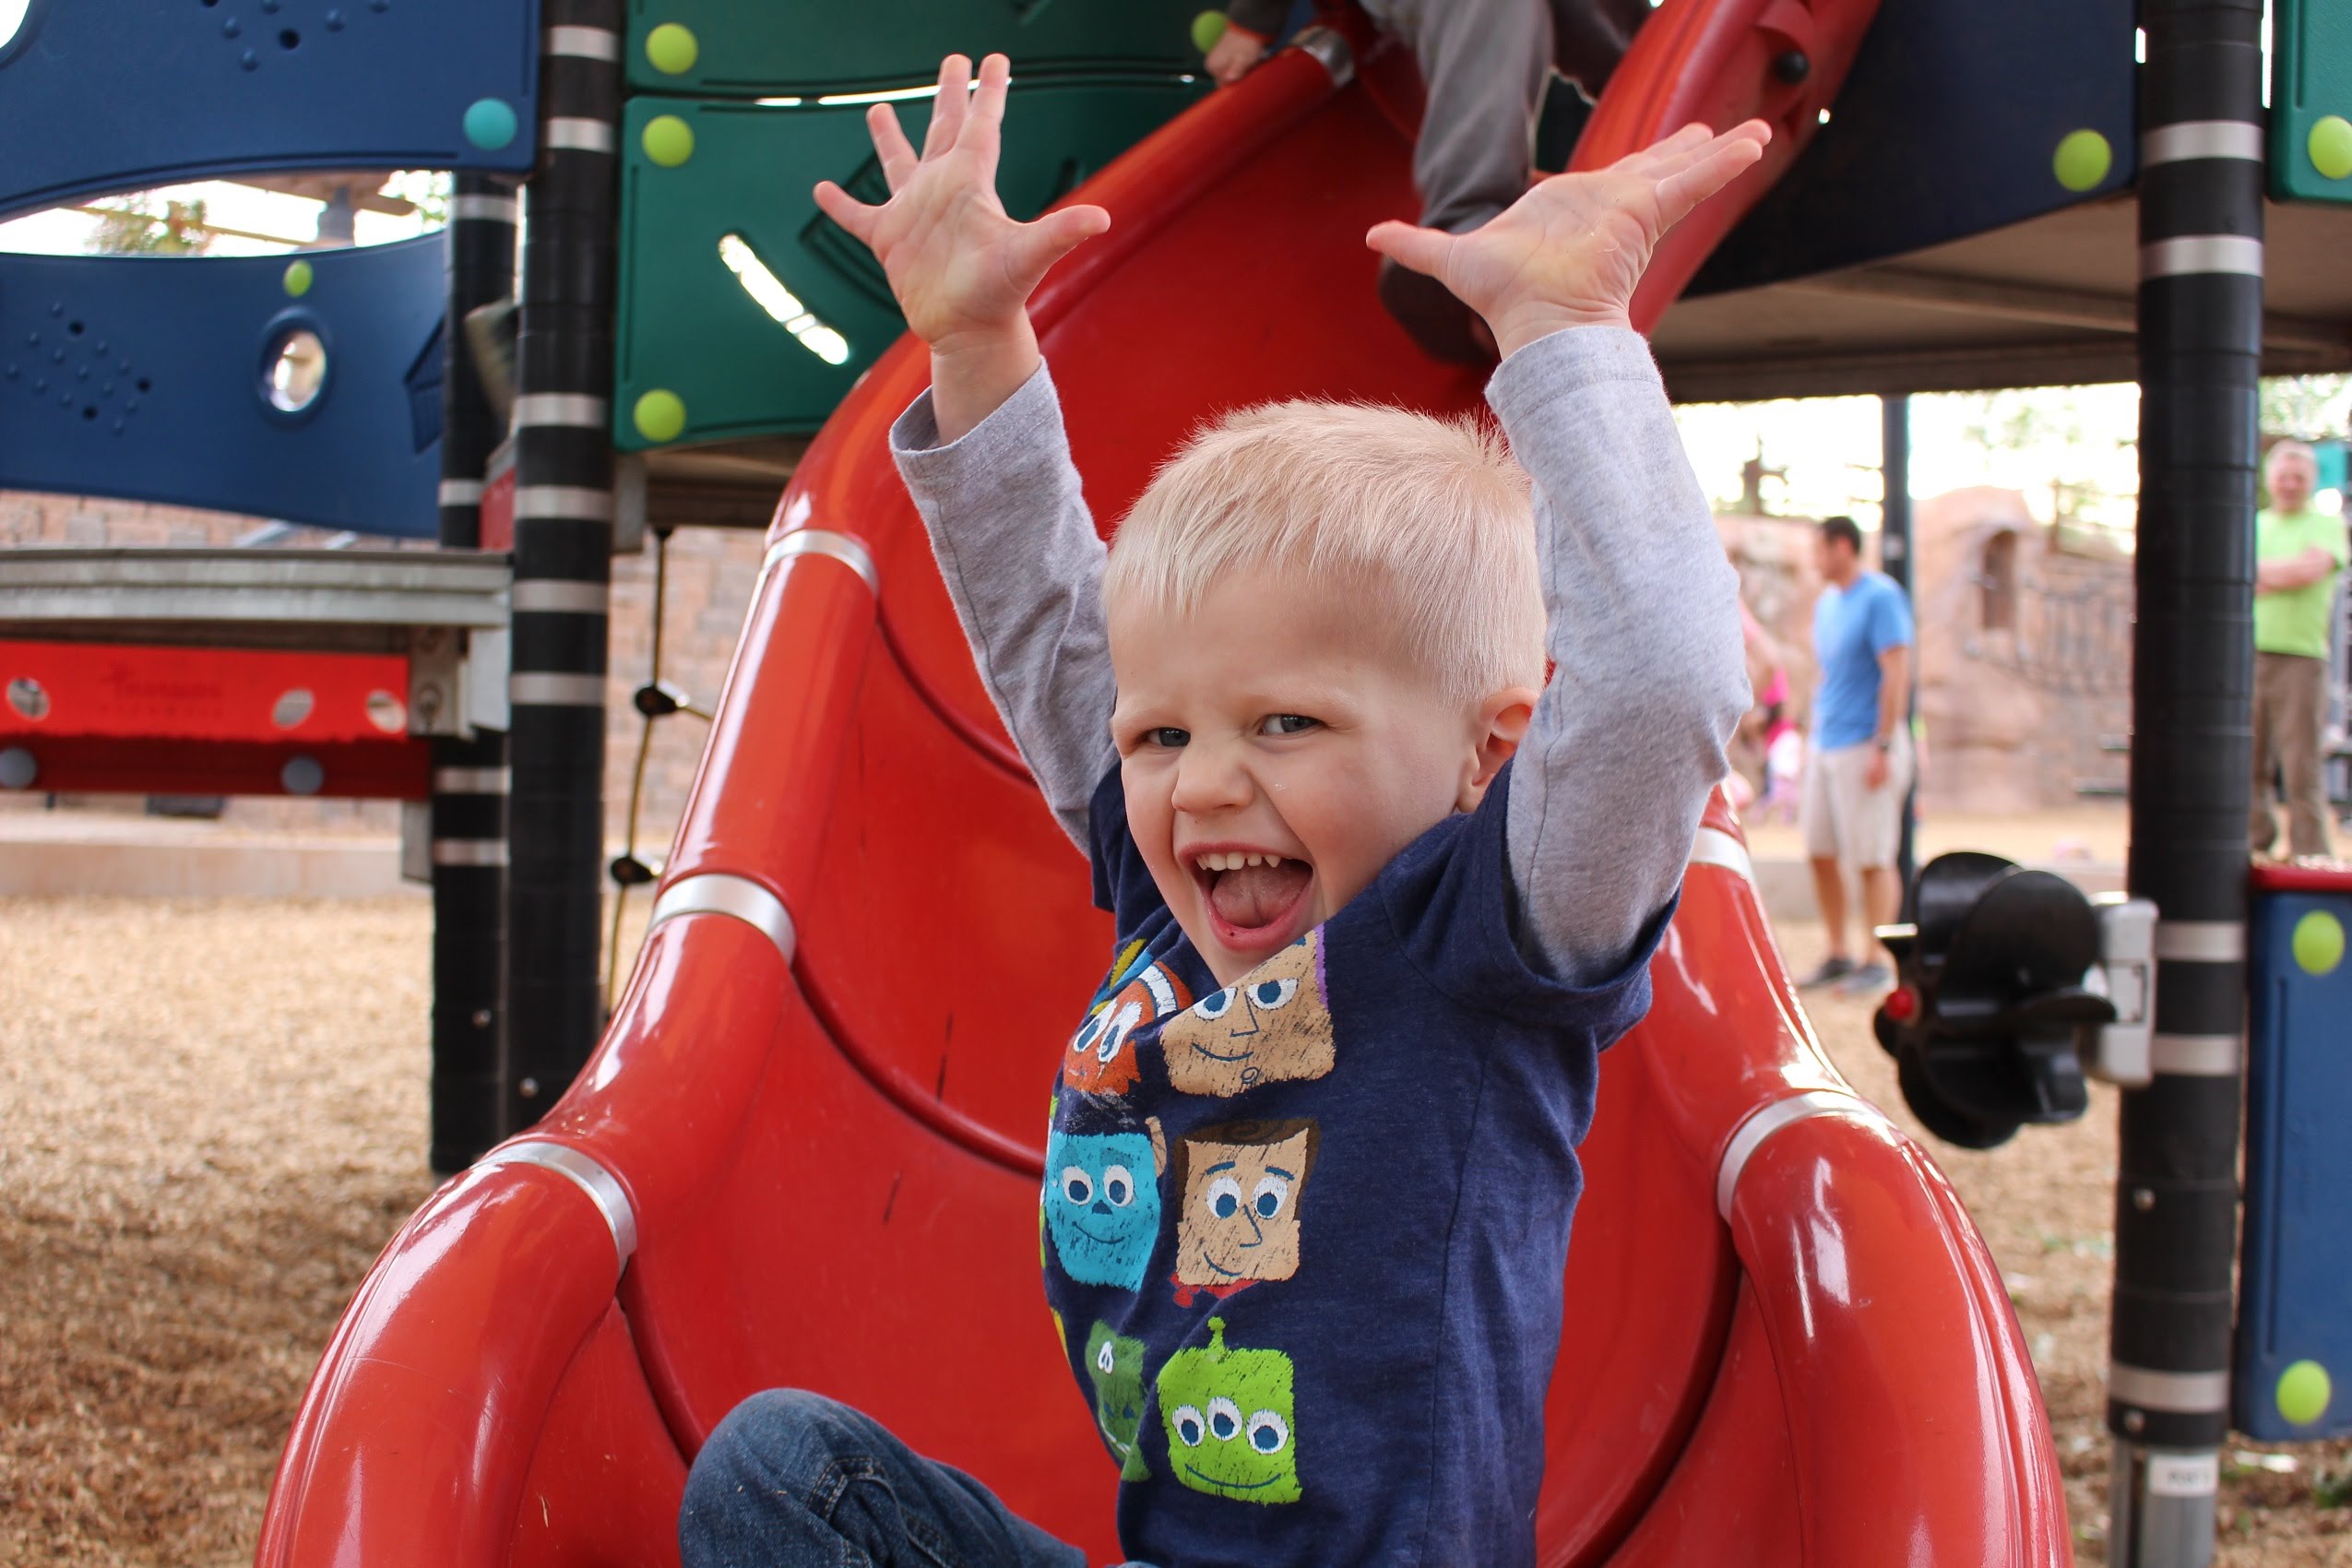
(710, 583)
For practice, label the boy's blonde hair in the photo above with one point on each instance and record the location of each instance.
(1428, 519)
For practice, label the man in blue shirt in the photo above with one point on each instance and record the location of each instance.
(1858, 764)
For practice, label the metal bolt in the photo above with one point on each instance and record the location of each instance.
(2133, 1420)
(482, 1017)
(18, 768)
(1791, 67)
(2143, 1199)
(530, 1087)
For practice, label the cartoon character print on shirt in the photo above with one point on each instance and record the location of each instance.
(1102, 1059)
(1238, 1189)
(1229, 1414)
(1115, 1367)
(1274, 1023)
(1101, 1204)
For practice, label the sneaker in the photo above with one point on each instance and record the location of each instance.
(1834, 968)
(1868, 981)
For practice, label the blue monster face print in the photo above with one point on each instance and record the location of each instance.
(1102, 1205)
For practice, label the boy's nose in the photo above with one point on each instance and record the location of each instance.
(1209, 779)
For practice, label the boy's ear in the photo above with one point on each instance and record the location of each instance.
(1502, 723)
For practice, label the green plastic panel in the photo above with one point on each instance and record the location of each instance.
(2311, 96)
(770, 47)
(733, 285)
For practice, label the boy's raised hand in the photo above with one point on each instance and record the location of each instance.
(962, 269)
(1572, 250)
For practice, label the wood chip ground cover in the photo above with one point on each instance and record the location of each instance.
(212, 1115)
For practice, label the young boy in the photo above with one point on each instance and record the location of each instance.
(1484, 65)
(1312, 1160)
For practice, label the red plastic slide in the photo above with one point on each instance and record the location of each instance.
(808, 1151)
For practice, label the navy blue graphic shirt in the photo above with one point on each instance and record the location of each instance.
(1305, 1235)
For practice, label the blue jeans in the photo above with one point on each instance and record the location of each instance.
(792, 1479)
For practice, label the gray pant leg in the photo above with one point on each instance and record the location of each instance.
(1484, 63)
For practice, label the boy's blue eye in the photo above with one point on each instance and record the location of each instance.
(1289, 724)
(1168, 735)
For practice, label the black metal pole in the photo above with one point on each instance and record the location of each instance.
(1895, 560)
(563, 560)
(2176, 1208)
(468, 803)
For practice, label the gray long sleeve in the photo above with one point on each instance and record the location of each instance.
(1643, 627)
(1009, 525)
(1643, 621)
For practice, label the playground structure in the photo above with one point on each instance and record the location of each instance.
(1712, 1395)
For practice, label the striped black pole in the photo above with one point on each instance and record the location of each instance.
(468, 803)
(1895, 560)
(2176, 1209)
(562, 561)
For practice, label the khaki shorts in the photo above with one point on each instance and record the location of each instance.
(1845, 818)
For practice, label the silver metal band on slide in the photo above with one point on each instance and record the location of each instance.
(722, 893)
(604, 1188)
(1762, 1125)
(1716, 848)
(845, 547)
(469, 851)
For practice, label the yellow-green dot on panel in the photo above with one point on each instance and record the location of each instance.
(673, 49)
(2329, 145)
(668, 140)
(2318, 942)
(297, 279)
(2082, 160)
(661, 415)
(2303, 1393)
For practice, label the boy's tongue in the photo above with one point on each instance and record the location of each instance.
(1256, 896)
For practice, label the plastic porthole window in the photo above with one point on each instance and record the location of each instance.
(15, 18)
(296, 372)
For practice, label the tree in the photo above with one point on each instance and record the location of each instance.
(131, 226)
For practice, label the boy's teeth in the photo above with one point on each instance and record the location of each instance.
(1234, 861)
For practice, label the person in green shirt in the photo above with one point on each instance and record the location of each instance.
(2298, 554)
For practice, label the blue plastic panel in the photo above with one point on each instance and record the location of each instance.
(745, 49)
(109, 95)
(1948, 126)
(147, 377)
(2295, 1275)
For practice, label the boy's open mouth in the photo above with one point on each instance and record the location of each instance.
(1251, 893)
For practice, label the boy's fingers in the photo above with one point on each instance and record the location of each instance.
(947, 110)
(1054, 236)
(988, 103)
(1666, 149)
(891, 146)
(979, 133)
(846, 210)
(1683, 190)
(1423, 250)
